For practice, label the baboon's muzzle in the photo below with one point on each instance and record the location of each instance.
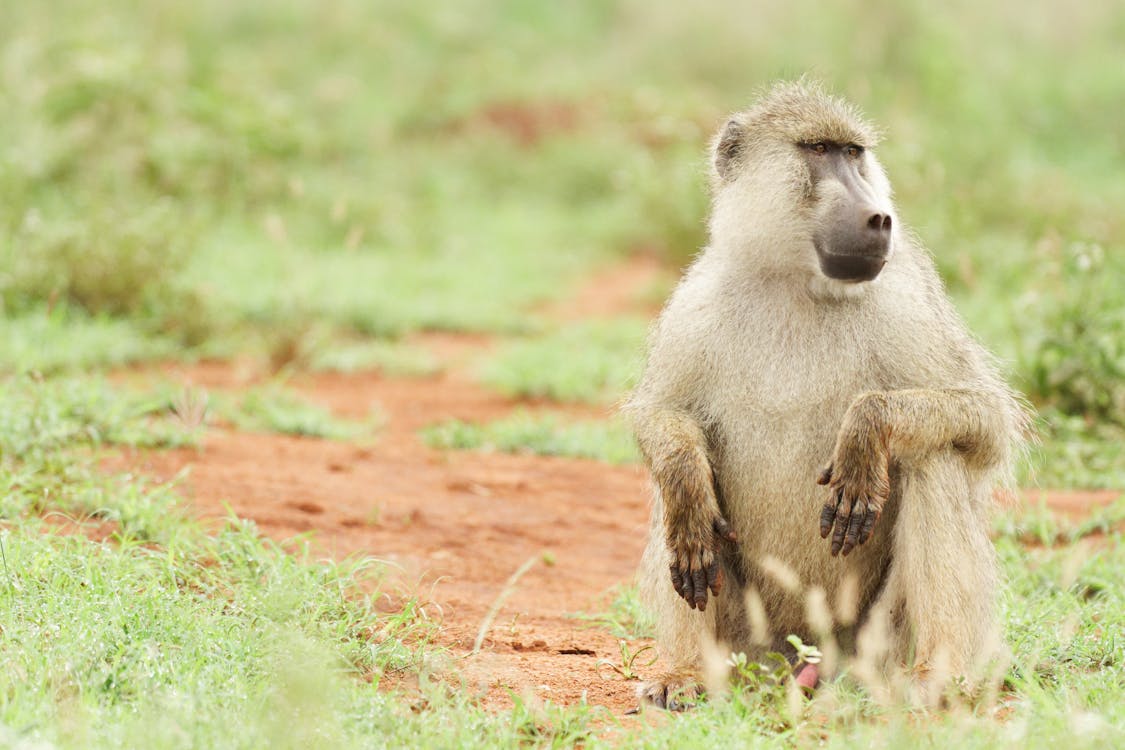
(857, 248)
(854, 239)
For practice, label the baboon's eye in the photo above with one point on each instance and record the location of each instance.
(853, 151)
(819, 147)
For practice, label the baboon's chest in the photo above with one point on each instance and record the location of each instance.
(782, 397)
(784, 376)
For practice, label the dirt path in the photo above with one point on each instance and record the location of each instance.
(454, 525)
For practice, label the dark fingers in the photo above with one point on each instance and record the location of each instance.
(855, 526)
(699, 579)
(843, 517)
(873, 513)
(677, 579)
(828, 515)
(715, 578)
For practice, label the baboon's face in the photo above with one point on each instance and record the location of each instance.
(794, 183)
(851, 227)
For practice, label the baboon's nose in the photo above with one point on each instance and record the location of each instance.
(879, 222)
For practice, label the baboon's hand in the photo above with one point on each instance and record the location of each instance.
(695, 566)
(858, 486)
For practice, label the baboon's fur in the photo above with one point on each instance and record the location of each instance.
(762, 371)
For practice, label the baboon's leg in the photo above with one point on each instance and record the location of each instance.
(937, 607)
(941, 585)
(680, 631)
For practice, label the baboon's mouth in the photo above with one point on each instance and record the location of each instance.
(852, 268)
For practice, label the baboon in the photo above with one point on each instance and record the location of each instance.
(810, 378)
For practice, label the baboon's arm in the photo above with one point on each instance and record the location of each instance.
(905, 426)
(918, 422)
(675, 448)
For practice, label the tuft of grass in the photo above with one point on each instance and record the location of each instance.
(588, 362)
(1075, 452)
(38, 417)
(272, 408)
(610, 441)
(393, 359)
(110, 261)
(50, 432)
(61, 340)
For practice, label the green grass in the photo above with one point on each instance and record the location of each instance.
(273, 408)
(309, 182)
(65, 340)
(38, 416)
(170, 635)
(1075, 453)
(589, 362)
(196, 644)
(393, 359)
(1040, 526)
(608, 441)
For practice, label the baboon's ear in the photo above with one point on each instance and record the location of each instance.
(728, 148)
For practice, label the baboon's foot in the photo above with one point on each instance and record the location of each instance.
(674, 691)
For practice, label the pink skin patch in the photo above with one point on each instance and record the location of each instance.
(807, 677)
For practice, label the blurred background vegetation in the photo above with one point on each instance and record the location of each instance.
(286, 179)
(308, 182)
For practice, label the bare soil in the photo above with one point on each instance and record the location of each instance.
(454, 525)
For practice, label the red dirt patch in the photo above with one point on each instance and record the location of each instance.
(1072, 503)
(454, 525)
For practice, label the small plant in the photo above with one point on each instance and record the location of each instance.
(625, 668)
(806, 654)
(190, 407)
(761, 675)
